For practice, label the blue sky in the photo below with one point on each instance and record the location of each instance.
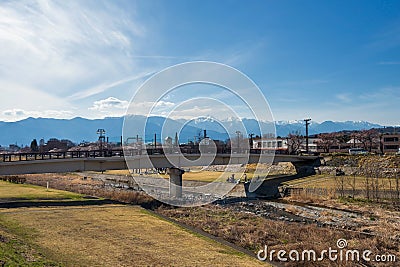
(328, 60)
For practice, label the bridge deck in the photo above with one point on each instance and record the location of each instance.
(116, 162)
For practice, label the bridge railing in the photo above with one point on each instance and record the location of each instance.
(9, 157)
(27, 156)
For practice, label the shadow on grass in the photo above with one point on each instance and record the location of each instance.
(56, 203)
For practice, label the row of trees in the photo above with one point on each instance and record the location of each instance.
(294, 142)
(368, 139)
(373, 185)
(52, 143)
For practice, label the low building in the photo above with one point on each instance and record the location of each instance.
(266, 145)
(312, 144)
(13, 148)
(390, 142)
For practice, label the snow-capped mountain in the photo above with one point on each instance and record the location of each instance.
(78, 129)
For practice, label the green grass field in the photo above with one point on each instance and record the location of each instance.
(13, 192)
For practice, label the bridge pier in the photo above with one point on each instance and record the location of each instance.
(175, 182)
(305, 168)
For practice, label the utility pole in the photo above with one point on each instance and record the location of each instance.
(251, 140)
(307, 123)
(381, 146)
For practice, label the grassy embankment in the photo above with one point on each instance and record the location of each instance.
(98, 235)
(332, 182)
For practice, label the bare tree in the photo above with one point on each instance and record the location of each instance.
(368, 138)
(367, 184)
(397, 181)
(364, 170)
(352, 183)
(375, 185)
(372, 180)
(342, 137)
(294, 142)
(390, 193)
(326, 140)
(340, 182)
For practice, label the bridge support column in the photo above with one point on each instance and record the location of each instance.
(175, 182)
(305, 168)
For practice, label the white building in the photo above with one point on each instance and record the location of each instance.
(280, 145)
(270, 144)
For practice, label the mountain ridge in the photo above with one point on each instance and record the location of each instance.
(78, 129)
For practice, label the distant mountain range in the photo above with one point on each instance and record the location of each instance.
(79, 129)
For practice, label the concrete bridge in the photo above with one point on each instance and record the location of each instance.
(173, 162)
(59, 165)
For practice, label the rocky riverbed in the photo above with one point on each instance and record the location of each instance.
(302, 213)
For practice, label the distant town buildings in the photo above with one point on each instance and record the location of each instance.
(331, 143)
(373, 140)
(391, 142)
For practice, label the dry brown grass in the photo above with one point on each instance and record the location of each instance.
(203, 176)
(331, 182)
(118, 235)
(111, 235)
(253, 232)
(310, 197)
(196, 174)
(75, 183)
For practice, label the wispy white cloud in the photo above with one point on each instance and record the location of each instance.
(106, 86)
(344, 97)
(54, 49)
(384, 95)
(155, 108)
(19, 114)
(109, 103)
